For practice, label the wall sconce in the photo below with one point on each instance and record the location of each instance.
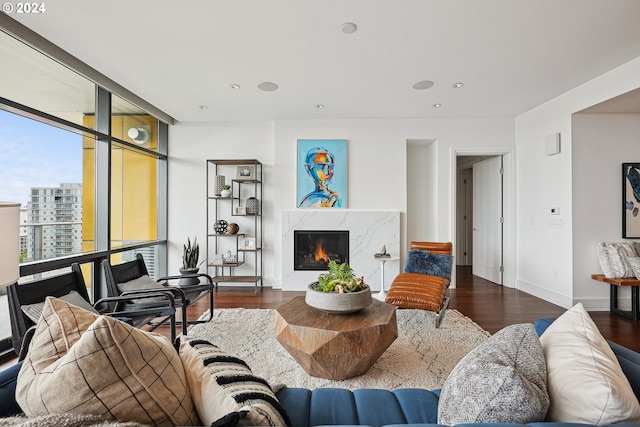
(10, 243)
(138, 135)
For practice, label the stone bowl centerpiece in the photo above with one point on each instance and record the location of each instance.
(338, 291)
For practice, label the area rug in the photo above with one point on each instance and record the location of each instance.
(422, 356)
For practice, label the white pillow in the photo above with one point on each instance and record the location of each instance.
(634, 263)
(613, 258)
(585, 381)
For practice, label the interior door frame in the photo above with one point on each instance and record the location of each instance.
(509, 200)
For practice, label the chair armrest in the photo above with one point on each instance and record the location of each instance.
(26, 340)
(141, 293)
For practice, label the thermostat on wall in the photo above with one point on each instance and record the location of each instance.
(552, 144)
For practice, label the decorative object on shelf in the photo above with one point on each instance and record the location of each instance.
(246, 172)
(219, 183)
(338, 291)
(230, 258)
(217, 259)
(253, 206)
(220, 227)
(240, 210)
(383, 253)
(630, 200)
(320, 164)
(248, 244)
(226, 191)
(190, 255)
(232, 228)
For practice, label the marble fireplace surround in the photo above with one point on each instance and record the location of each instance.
(368, 232)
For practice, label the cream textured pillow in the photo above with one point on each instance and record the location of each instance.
(585, 381)
(613, 258)
(503, 380)
(105, 368)
(225, 392)
(634, 263)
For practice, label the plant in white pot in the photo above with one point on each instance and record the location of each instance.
(226, 191)
(190, 256)
(338, 291)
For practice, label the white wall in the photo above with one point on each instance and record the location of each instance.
(546, 254)
(601, 143)
(422, 191)
(377, 169)
(190, 147)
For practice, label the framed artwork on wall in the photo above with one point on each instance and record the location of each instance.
(321, 173)
(631, 200)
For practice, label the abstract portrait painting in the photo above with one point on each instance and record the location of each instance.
(322, 173)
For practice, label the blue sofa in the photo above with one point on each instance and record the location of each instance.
(368, 407)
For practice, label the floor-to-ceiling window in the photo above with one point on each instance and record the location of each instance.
(87, 165)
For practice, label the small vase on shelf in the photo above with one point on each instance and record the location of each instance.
(219, 183)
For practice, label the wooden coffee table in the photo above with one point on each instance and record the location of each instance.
(335, 346)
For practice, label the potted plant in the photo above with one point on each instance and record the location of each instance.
(226, 191)
(338, 291)
(190, 256)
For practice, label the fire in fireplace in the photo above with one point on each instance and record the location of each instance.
(314, 249)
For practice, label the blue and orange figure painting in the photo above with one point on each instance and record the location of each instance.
(320, 167)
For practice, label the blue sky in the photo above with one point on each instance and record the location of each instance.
(33, 154)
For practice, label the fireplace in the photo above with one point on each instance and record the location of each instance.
(313, 249)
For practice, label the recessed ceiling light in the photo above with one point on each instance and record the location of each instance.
(457, 85)
(348, 28)
(437, 105)
(203, 107)
(319, 106)
(424, 84)
(234, 86)
(268, 86)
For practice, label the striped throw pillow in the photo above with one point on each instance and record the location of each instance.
(224, 390)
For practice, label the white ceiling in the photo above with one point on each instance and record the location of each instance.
(511, 55)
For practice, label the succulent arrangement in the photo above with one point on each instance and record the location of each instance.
(190, 254)
(340, 278)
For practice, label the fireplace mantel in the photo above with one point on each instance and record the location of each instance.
(368, 232)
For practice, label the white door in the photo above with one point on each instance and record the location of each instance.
(487, 219)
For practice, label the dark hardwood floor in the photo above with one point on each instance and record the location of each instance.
(489, 305)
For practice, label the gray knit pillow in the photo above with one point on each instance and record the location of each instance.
(503, 380)
(613, 258)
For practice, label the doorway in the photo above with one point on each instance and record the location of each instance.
(479, 216)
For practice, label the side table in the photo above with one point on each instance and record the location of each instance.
(383, 293)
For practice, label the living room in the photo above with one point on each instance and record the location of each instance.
(541, 257)
(514, 77)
